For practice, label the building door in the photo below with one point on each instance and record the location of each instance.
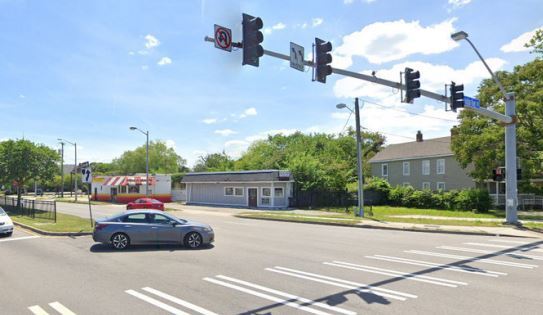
(113, 194)
(253, 197)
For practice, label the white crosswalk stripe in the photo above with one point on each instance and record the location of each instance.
(287, 302)
(482, 251)
(398, 274)
(487, 261)
(359, 287)
(179, 301)
(463, 269)
(63, 310)
(156, 303)
(12, 239)
(37, 310)
(521, 248)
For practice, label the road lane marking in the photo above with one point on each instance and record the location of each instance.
(186, 304)
(464, 269)
(520, 248)
(156, 303)
(475, 260)
(482, 251)
(287, 295)
(18, 238)
(359, 287)
(37, 310)
(508, 241)
(267, 296)
(63, 310)
(393, 273)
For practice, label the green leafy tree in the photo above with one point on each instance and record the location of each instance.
(214, 162)
(536, 42)
(161, 160)
(22, 162)
(479, 141)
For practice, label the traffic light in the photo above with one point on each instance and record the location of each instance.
(412, 85)
(323, 59)
(457, 96)
(252, 37)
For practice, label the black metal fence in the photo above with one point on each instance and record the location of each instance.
(327, 198)
(41, 209)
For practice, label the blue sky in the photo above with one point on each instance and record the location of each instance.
(88, 70)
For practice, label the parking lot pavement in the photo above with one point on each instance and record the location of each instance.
(18, 235)
(262, 267)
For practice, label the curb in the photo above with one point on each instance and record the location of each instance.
(409, 229)
(36, 230)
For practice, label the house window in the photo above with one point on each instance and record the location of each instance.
(384, 170)
(440, 166)
(266, 196)
(425, 167)
(440, 186)
(233, 191)
(406, 169)
(278, 192)
(426, 185)
(406, 184)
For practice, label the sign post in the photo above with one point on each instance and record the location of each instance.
(86, 176)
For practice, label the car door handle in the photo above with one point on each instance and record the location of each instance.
(154, 227)
(127, 226)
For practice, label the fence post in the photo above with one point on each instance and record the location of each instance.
(55, 209)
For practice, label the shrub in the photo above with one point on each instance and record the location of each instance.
(377, 190)
(419, 199)
(473, 199)
(399, 195)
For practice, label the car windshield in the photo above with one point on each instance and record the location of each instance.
(2, 212)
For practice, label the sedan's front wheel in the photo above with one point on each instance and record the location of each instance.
(120, 241)
(193, 240)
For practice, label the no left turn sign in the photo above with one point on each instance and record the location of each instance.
(223, 38)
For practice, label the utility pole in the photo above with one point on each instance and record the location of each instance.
(75, 166)
(359, 160)
(62, 169)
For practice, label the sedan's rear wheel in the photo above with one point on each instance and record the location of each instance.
(193, 240)
(120, 241)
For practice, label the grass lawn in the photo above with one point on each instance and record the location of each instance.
(388, 214)
(65, 223)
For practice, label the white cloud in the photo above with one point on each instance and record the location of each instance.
(209, 121)
(151, 41)
(235, 148)
(316, 22)
(144, 67)
(264, 134)
(388, 41)
(459, 3)
(21, 96)
(131, 53)
(248, 112)
(348, 1)
(304, 25)
(164, 61)
(225, 132)
(517, 44)
(432, 78)
(170, 144)
(277, 27)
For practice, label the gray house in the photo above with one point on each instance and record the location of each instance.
(422, 164)
(252, 189)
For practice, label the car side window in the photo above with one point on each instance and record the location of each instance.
(160, 219)
(135, 218)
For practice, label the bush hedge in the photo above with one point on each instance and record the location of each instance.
(406, 196)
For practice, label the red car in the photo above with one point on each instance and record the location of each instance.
(145, 203)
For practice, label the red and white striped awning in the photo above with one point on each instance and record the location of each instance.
(128, 180)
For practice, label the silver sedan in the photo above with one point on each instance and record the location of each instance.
(150, 227)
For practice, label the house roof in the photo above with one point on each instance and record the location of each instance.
(239, 176)
(414, 150)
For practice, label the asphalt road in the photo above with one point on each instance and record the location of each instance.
(265, 267)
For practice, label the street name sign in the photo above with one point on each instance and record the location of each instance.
(472, 102)
(296, 56)
(223, 38)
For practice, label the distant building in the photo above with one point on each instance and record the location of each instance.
(422, 164)
(125, 189)
(252, 189)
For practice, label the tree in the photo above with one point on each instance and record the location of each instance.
(22, 161)
(479, 141)
(161, 160)
(536, 42)
(214, 162)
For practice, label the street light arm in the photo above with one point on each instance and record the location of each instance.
(502, 89)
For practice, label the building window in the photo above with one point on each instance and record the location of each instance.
(406, 169)
(425, 167)
(233, 191)
(278, 192)
(266, 196)
(441, 186)
(384, 170)
(440, 166)
(406, 184)
(426, 185)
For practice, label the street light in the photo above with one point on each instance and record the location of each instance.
(510, 140)
(62, 168)
(75, 166)
(358, 153)
(146, 133)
